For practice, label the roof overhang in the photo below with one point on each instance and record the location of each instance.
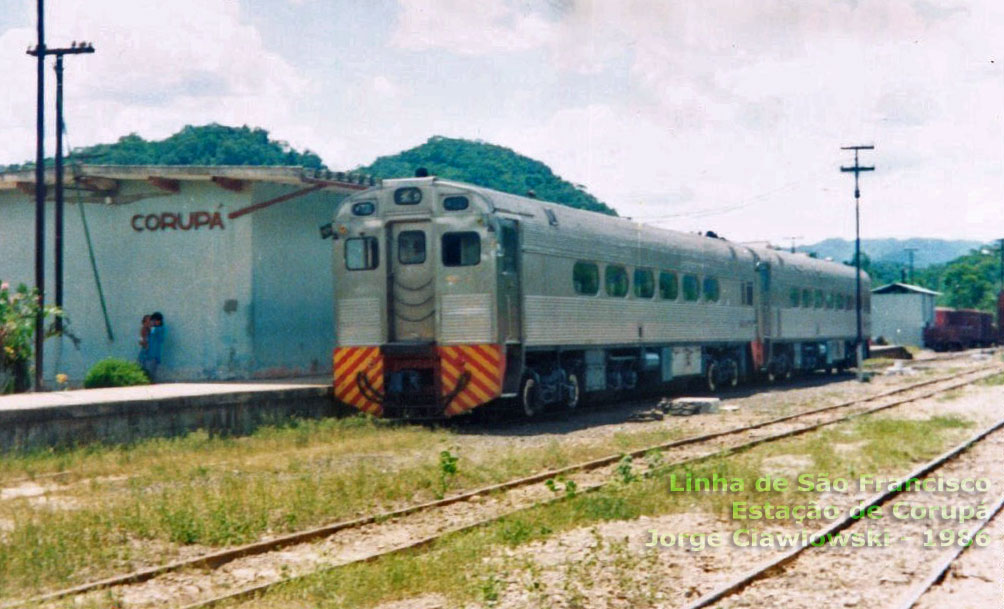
(102, 182)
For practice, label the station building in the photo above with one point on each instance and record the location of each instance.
(901, 311)
(231, 256)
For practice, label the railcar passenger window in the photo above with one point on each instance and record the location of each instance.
(840, 301)
(461, 249)
(411, 247)
(616, 281)
(455, 203)
(829, 300)
(806, 299)
(586, 278)
(691, 288)
(669, 286)
(748, 293)
(793, 298)
(819, 299)
(361, 254)
(712, 292)
(644, 283)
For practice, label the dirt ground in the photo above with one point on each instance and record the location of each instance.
(609, 565)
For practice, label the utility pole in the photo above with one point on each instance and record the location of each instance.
(74, 49)
(910, 251)
(1002, 266)
(793, 239)
(857, 169)
(39, 53)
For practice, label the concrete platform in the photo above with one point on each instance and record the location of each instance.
(125, 414)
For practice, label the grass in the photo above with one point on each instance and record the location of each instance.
(992, 381)
(468, 567)
(123, 507)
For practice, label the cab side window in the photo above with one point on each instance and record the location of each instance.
(461, 249)
(361, 254)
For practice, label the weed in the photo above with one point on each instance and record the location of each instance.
(624, 470)
(490, 589)
(569, 487)
(447, 471)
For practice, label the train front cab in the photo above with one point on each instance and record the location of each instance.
(427, 300)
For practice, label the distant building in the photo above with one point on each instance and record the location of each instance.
(231, 256)
(900, 312)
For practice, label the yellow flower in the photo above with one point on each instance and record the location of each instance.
(61, 378)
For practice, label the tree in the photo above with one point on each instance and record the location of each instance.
(489, 166)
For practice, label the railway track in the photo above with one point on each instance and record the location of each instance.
(787, 426)
(765, 571)
(938, 573)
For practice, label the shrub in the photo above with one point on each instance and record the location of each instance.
(114, 372)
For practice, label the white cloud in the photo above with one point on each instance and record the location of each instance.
(157, 66)
(470, 28)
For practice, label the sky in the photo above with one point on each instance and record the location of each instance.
(687, 114)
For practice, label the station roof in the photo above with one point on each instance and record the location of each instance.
(903, 288)
(101, 181)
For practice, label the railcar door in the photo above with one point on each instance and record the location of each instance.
(510, 311)
(411, 285)
(764, 311)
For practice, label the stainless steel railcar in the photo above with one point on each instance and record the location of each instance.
(450, 296)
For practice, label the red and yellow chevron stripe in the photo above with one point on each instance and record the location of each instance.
(484, 366)
(348, 363)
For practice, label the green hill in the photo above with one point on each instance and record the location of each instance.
(204, 145)
(486, 165)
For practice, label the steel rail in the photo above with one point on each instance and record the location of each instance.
(216, 559)
(258, 589)
(748, 578)
(939, 572)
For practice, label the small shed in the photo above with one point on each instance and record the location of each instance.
(901, 311)
(231, 256)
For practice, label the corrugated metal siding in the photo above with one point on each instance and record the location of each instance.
(467, 318)
(358, 321)
(594, 321)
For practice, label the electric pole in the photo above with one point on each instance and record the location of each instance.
(910, 251)
(793, 239)
(857, 169)
(74, 49)
(39, 52)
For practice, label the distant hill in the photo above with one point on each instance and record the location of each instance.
(486, 165)
(211, 144)
(929, 251)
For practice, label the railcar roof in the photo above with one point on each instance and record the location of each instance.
(532, 209)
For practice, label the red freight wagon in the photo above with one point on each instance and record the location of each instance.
(956, 329)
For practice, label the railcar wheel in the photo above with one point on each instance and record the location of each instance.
(529, 396)
(574, 390)
(711, 376)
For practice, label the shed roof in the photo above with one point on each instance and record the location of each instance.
(100, 181)
(903, 288)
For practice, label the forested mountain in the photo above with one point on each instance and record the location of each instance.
(204, 145)
(970, 281)
(929, 251)
(486, 165)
